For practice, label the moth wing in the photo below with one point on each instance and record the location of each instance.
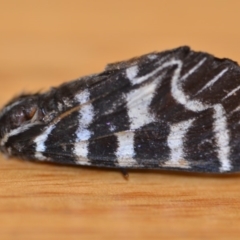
(160, 111)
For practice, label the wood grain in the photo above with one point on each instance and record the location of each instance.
(44, 43)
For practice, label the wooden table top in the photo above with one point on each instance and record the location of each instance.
(44, 43)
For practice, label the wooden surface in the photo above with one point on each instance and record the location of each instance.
(44, 43)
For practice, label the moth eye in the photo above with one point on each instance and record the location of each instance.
(30, 113)
(22, 115)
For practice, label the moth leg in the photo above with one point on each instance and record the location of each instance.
(124, 173)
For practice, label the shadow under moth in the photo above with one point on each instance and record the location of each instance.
(177, 109)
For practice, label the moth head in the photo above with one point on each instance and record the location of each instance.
(18, 116)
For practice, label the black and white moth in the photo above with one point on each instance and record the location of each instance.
(176, 109)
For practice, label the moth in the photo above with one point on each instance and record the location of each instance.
(176, 109)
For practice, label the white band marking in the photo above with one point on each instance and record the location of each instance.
(138, 102)
(191, 71)
(231, 93)
(86, 116)
(139, 80)
(222, 137)
(16, 131)
(235, 110)
(125, 151)
(210, 83)
(175, 142)
(81, 150)
(132, 72)
(40, 142)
